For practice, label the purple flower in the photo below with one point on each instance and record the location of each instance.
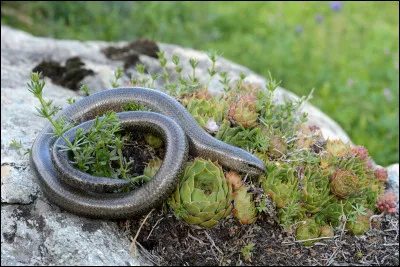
(299, 29)
(350, 82)
(388, 94)
(319, 18)
(336, 5)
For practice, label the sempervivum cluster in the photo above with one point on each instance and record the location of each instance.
(344, 183)
(360, 225)
(337, 147)
(381, 174)
(360, 152)
(208, 112)
(244, 207)
(203, 196)
(387, 203)
(309, 229)
(244, 112)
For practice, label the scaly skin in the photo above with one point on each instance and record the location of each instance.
(76, 191)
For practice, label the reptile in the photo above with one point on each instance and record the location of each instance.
(90, 196)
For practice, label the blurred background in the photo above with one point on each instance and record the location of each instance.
(347, 51)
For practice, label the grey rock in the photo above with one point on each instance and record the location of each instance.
(17, 185)
(36, 232)
(41, 234)
(393, 180)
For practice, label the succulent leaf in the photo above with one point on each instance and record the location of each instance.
(152, 167)
(243, 112)
(326, 231)
(315, 191)
(387, 203)
(308, 230)
(152, 140)
(204, 110)
(360, 225)
(280, 184)
(244, 206)
(203, 193)
(344, 184)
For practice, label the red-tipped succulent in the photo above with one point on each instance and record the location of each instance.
(360, 152)
(381, 174)
(387, 203)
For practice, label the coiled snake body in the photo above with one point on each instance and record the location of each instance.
(84, 194)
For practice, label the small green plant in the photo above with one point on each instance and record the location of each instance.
(163, 62)
(117, 76)
(213, 56)
(71, 100)
(47, 110)
(85, 89)
(96, 151)
(19, 147)
(247, 252)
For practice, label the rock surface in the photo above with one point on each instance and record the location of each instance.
(36, 232)
(393, 179)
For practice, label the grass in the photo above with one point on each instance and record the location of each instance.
(350, 54)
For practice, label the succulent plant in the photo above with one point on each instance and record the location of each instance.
(291, 213)
(315, 191)
(280, 184)
(244, 206)
(234, 179)
(263, 157)
(330, 214)
(203, 196)
(304, 137)
(309, 229)
(249, 139)
(344, 184)
(202, 93)
(204, 109)
(328, 163)
(326, 231)
(387, 203)
(381, 174)
(152, 140)
(277, 147)
(360, 152)
(359, 225)
(243, 112)
(152, 167)
(337, 147)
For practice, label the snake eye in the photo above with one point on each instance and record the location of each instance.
(251, 166)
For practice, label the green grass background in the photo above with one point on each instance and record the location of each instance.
(350, 57)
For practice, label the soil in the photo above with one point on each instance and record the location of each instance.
(68, 76)
(166, 241)
(137, 150)
(130, 52)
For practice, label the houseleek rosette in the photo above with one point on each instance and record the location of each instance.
(245, 210)
(203, 196)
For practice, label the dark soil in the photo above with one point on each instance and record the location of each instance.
(166, 241)
(130, 53)
(68, 76)
(140, 152)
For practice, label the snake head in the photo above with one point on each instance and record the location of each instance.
(253, 166)
(245, 162)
